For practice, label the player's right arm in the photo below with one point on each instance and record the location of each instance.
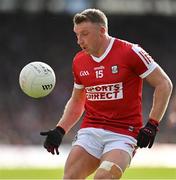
(73, 111)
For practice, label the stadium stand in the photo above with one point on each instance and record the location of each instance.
(48, 37)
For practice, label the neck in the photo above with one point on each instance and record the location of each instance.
(103, 46)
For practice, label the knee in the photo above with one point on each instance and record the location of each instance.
(108, 170)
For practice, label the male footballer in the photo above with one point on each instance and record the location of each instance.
(108, 77)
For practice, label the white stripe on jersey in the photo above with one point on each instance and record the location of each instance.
(146, 73)
(147, 60)
(99, 59)
(78, 86)
(145, 57)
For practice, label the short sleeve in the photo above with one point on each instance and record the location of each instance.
(142, 63)
(77, 82)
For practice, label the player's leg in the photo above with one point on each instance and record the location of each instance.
(80, 164)
(113, 164)
(117, 154)
(85, 155)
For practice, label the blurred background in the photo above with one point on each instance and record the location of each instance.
(41, 30)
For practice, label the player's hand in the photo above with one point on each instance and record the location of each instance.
(53, 139)
(147, 134)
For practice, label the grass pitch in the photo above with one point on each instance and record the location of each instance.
(51, 174)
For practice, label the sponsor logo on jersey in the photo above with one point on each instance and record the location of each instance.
(105, 92)
(84, 73)
(114, 69)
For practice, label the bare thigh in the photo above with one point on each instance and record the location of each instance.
(80, 164)
(119, 157)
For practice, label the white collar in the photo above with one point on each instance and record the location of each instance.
(99, 59)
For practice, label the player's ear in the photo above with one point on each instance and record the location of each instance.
(102, 30)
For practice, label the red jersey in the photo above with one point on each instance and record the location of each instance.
(113, 86)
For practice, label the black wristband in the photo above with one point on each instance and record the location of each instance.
(60, 129)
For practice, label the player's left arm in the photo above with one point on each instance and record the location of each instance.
(144, 65)
(162, 92)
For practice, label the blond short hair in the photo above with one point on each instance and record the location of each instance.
(91, 15)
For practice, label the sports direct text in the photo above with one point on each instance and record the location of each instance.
(105, 92)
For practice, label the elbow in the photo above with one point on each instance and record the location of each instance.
(168, 86)
(165, 87)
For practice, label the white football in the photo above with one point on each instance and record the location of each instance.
(37, 79)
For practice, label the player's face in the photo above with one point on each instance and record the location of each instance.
(89, 36)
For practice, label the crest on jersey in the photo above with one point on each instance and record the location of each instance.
(114, 69)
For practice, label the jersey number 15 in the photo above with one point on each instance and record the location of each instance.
(99, 73)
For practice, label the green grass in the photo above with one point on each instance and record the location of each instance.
(131, 173)
(150, 173)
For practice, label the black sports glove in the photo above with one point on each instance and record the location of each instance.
(147, 134)
(53, 139)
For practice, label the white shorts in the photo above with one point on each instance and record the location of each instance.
(99, 141)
